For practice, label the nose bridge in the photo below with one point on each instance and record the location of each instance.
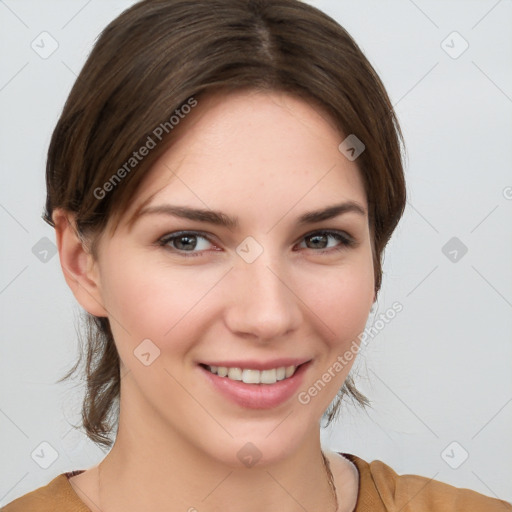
(264, 304)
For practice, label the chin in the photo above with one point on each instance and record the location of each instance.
(261, 443)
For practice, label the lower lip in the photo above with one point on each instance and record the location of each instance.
(257, 396)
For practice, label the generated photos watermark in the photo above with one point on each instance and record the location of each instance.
(152, 140)
(304, 397)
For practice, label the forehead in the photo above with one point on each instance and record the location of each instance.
(255, 153)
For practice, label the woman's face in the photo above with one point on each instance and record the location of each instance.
(264, 291)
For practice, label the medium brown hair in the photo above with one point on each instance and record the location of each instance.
(148, 63)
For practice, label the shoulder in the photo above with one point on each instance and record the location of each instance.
(56, 495)
(379, 483)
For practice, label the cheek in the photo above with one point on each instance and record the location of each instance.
(341, 306)
(341, 299)
(156, 302)
(134, 296)
(354, 299)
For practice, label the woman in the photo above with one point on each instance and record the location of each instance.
(223, 181)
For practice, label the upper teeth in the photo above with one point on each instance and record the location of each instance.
(254, 376)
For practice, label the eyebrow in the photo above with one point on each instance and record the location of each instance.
(221, 219)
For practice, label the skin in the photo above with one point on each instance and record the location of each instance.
(266, 158)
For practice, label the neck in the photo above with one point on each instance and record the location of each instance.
(138, 476)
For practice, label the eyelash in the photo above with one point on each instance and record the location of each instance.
(346, 241)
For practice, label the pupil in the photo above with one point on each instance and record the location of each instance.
(316, 237)
(190, 243)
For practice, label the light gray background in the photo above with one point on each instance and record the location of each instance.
(440, 372)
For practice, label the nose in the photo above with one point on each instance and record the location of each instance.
(263, 304)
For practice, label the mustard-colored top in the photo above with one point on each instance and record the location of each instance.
(380, 490)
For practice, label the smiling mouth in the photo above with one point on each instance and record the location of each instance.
(251, 376)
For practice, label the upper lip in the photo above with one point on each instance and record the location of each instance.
(253, 364)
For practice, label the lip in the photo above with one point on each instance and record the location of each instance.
(257, 396)
(252, 364)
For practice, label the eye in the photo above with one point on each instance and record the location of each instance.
(185, 241)
(319, 241)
